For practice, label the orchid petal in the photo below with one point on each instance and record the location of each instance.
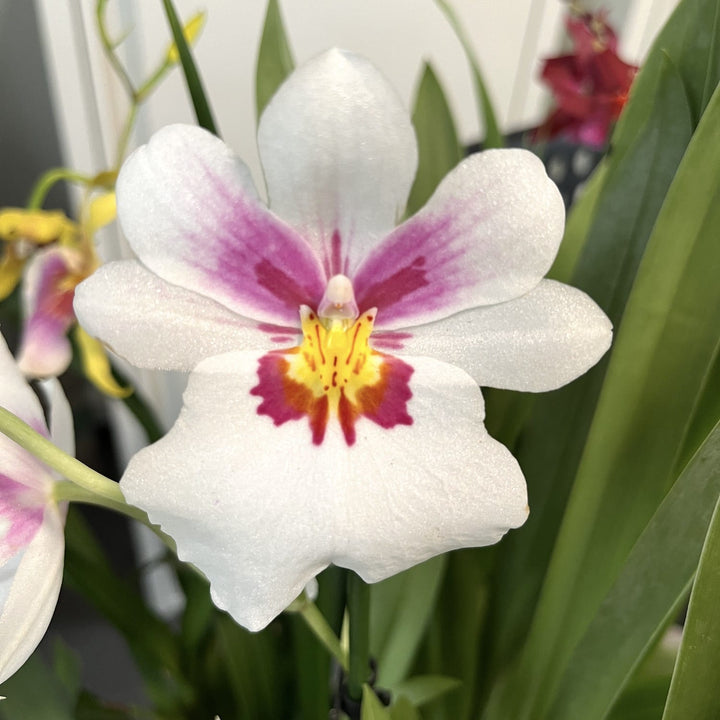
(339, 155)
(29, 586)
(260, 522)
(62, 428)
(191, 213)
(47, 305)
(17, 397)
(488, 234)
(157, 325)
(537, 342)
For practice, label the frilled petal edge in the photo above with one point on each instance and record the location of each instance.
(260, 509)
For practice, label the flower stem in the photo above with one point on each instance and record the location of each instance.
(67, 466)
(321, 629)
(358, 604)
(44, 184)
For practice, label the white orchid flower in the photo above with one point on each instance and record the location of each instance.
(302, 442)
(32, 541)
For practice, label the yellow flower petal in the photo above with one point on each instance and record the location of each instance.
(96, 365)
(102, 210)
(36, 226)
(191, 30)
(10, 271)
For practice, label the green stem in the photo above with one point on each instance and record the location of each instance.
(125, 134)
(67, 466)
(358, 604)
(48, 179)
(320, 628)
(109, 49)
(65, 490)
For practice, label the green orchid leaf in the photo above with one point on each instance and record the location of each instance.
(151, 642)
(646, 149)
(34, 691)
(639, 428)
(438, 148)
(580, 220)
(400, 609)
(694, 691)
(486, 111)
(203, 113)
(403, 709)
(652, 585)
(454, 638)
(372, 708)
(422, 689)
(275, 61)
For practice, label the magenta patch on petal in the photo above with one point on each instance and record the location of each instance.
(44, 349)
(390, 340)
(419, 268)
(20, 516)
(257, 260)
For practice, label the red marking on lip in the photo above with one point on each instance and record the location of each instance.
(285, 399)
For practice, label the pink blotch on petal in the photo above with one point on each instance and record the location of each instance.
(21, 513)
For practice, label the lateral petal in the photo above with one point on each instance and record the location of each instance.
(29, 589)
(488, 234)
(191, 213)
(155, 324)
(534, 343)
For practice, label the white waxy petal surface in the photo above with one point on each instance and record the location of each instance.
(339, 155)
(488, 234)
(190, 211)
(154, 324)
(30, 593)
(260, 510)
(537, 342)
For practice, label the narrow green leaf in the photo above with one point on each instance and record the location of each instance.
(400, 608)
(372, 708)
(35, 692)
(694, 691)
(668, 340)
(438, 148)
(493, 136)
(652, 585)
(403, 709)
(551, 444)
(203, 113)
(151, 642)
(423, 689)
(275, 61)
(647, 145)
(577, 228)
(453, 645)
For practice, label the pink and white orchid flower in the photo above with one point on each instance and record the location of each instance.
(32, 541)
(301, 442)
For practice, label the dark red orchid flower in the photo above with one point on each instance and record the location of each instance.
(590, 86)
